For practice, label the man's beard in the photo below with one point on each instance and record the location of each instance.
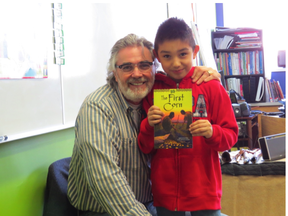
(139, 93)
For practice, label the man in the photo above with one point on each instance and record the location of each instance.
(108, 173)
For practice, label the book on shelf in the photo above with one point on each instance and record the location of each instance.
(274, 90)
(247, 34)
(249, 88)
(240, 63)
(223, 43)
(235, 84)
(272, 97)
(268, 96)
(233, 39)
(173, 130)
(280, 90)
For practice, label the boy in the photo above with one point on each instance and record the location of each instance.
(187, 179)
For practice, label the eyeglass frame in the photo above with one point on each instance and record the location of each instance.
(131, 64)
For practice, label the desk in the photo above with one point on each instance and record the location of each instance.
(251, 133)
(265, 107)
(272, 125)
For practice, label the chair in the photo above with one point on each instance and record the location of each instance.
(56, 202)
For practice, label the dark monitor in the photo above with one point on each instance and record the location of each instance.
(282, 58)
(281, 77)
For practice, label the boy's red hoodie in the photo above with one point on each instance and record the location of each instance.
(190, 179)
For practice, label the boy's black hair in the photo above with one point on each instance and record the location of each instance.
(173, 29)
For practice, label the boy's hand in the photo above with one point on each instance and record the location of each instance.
(201, 128)
(154, 115)
(201, 74)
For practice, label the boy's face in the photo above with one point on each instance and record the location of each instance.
(176, 57)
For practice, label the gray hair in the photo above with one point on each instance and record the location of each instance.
(127, 41)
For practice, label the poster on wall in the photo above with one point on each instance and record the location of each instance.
(24, 38)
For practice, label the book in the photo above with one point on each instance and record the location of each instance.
(280, 90)
(172, 132)
(241, 63)
(268, 91)
(261, 66)
(272, 90)
(226, 42)
(232, 84)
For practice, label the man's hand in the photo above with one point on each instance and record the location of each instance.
(154, 115)
(201, 74)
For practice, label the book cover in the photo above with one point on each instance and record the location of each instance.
(257, 62)
(280, 90)
(251, 62)
(277, 89)
(261, 62)
(240, 64)
(172, 132)
(272, 91)
(241, 88)
(230, 64)
(268, 91)
(226, 64)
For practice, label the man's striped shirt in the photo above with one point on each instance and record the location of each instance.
(108, 172)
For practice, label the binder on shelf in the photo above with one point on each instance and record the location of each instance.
(260, 89)
(252, 88)
(246, 88)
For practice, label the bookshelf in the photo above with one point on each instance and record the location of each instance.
(238, 52)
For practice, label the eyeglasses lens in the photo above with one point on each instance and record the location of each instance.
(142, 66)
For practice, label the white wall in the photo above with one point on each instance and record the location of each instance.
(30, 107)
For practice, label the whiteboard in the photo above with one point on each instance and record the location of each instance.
(36, 106)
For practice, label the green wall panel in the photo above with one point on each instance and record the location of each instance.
(23, 170)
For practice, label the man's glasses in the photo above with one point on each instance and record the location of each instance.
(129, 67)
